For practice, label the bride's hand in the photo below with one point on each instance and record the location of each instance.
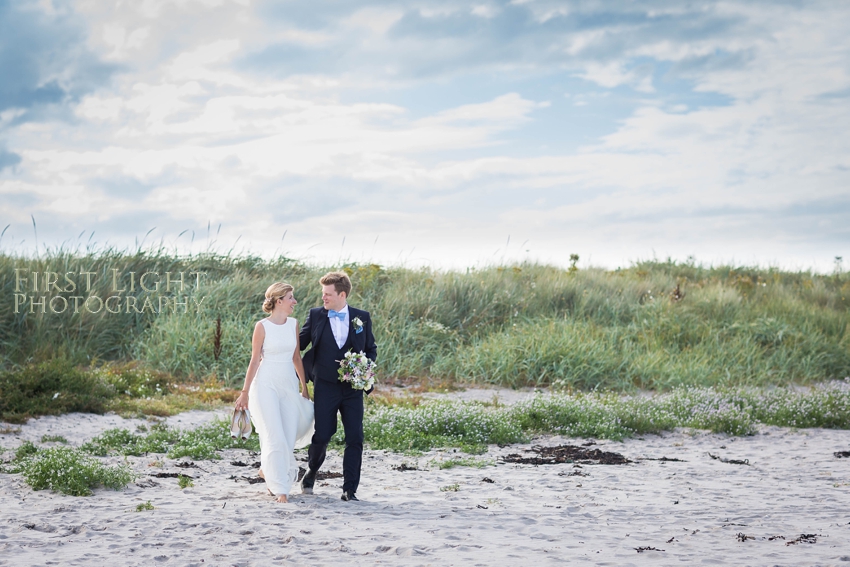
(242, 401)
(305, 393)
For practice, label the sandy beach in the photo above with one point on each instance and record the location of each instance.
(688, 509)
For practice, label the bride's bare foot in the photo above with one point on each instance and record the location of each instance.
(261, 475)
(282, 499)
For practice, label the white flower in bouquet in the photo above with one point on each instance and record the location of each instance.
(358, 370)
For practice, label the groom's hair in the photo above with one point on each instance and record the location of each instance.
(339, 280)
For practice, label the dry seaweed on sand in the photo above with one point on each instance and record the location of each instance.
(168, 475)
(567, 454)
(730, 461)
(647, 548)
(804, 538)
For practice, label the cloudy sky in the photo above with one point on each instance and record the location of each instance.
(442, 133)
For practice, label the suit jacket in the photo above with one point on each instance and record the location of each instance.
(317, 319)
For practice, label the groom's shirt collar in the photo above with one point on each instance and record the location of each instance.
(340, 328)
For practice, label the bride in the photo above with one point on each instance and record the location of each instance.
(282, 417)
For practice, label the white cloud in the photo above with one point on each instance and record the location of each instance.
(199, 64)
(506, 111)
(614, 75)
(305, 37)
(154, 8)
(116, 36)
(485, 11)
(158, 103)
(198, 130)
(377, 20)
(97, 108)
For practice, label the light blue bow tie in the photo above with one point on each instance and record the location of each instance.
(339, 314)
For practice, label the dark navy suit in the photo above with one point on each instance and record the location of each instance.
(330, 395)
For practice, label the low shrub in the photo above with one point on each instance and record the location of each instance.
(438, 424)
(204, 442)
(134, 380)
(112, 441)
(24, 450)
(201, 443)
(68, 470)
(53, 387)
(57, 387)
(734, 411)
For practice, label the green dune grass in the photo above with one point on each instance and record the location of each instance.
(520, 325)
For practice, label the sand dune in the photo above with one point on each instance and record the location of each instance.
(697, 510)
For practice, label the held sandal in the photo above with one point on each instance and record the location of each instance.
(240, 424)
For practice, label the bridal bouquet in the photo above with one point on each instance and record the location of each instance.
(357, 370)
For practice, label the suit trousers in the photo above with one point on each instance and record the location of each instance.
(328, 399)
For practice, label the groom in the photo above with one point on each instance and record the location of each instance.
(332, 331)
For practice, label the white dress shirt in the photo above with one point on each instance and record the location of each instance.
(340, 327)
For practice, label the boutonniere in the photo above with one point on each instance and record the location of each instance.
(358, 325)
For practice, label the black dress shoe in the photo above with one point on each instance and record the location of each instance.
(308, 481)
(348, 496)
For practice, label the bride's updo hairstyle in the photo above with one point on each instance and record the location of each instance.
(275, 291)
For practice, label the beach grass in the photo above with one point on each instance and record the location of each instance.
(53, 439)
(468, 426)
(453, 462)
(472, 426)
(652, 326)
(201, 443)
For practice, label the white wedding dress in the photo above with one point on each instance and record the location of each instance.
(282, 417)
